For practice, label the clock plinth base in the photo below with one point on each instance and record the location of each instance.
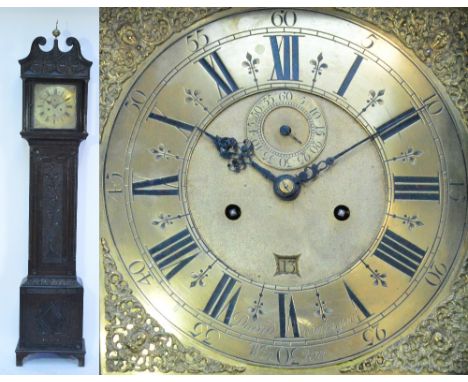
(79, 354)
(51, 311)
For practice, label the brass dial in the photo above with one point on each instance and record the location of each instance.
(271, 263)
(54, 106)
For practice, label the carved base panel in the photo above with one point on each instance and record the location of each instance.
(51, 311)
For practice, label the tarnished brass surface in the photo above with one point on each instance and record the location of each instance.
(124, 49)
(54, 106)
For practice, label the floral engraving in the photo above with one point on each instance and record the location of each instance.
(377, 277)
(162, 152)
(407, 157)
(322, 310)
(199, 277)
(251, 65)
(375, 98)
(317, 68)
(257, 309)
(194, 97)
(411, 221)
(165, 220)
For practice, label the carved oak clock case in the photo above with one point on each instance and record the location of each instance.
(283, 190)
(55, 87)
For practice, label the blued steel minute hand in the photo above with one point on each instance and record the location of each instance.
(311, 172)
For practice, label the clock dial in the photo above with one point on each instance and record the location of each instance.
(54, 106)
(277, 184)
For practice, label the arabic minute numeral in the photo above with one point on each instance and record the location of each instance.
(373, 335)
(115, 181)
(285, 356)
(457, 191)
(136, 99)
(437, 273)
(138, 269)
(204, 333)
(433, 105)
(368, 42)
(283, 18)
(196, 40)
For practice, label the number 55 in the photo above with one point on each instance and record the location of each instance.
(196, 40)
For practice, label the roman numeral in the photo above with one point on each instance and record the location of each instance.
(399, 253)
(416, 188)
(398, 123)
(159, 186)
(288, 67)
(171, 254)
(287, 315)
(349, 76)
(223, 79)
(219, 303)
(173, 122)
(357, 303)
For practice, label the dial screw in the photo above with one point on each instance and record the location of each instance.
(341, 212)
(233, 212)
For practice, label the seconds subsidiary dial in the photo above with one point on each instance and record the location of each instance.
(277, 184)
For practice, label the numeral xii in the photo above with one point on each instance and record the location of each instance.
(286, 66)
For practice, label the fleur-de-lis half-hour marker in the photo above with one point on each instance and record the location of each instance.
(251, 65)
(317, 68)
(378, 278)
(322, 310)
(375, 98)
(162, 152)
(256, 310)
(407, 157)
(164, 220)
(193, 96)
(411, 222)
(199, 277)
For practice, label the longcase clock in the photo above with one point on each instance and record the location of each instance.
(55, 86)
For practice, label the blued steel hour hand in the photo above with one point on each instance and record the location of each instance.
(238, 154)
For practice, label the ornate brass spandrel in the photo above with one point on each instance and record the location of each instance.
(438, 344)
(135, 341)
(437, 37)
(128, 36)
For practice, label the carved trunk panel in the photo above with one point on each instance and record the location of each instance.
(53, 208)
